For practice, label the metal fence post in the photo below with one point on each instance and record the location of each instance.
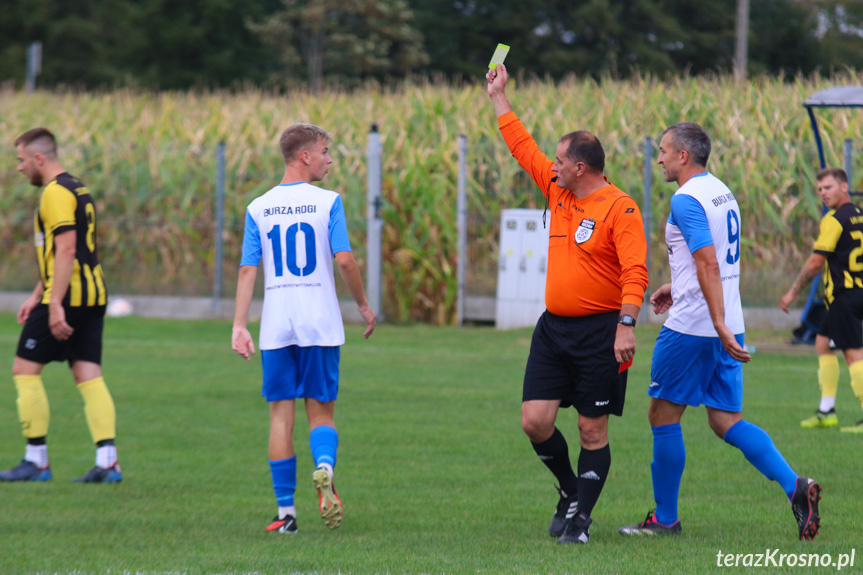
(374, 223)
(646, 208)
(219, 227)
(461, 218)
(34, 65)
(849, 162)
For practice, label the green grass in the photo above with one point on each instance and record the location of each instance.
(434, 470)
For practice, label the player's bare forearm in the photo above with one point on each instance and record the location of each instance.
(245, 290)
(350, 273)
(64, 264)
(710, 281)
(811, 268)
(241, 339)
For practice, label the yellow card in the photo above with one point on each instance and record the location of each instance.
(499, 55)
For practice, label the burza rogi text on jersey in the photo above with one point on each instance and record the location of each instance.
(289, 210)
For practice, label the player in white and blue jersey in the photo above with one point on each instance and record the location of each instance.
(295, 231)
(698, 354)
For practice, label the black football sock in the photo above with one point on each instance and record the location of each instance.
(554, 452)
(593, 466)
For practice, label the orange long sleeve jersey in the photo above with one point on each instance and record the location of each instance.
(596, 246)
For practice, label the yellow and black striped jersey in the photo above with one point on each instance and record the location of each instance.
(841, 242)
(66, 205)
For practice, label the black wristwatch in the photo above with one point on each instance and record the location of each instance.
(626, 320)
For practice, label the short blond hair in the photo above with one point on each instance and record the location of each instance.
(300, 137)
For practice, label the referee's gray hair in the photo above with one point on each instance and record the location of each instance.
(691, 137)
(300, 137)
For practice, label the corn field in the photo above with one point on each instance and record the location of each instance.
(149, 160)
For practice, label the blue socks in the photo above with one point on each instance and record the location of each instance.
(669, 458)
(284, 472)
(760, 451)
(324, 441)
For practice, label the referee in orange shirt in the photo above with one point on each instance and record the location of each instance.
(595, 285)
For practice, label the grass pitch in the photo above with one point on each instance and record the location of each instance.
(434, 470)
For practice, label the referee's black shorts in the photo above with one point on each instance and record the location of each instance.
(39, 345)
(572, 359)
(844, 320)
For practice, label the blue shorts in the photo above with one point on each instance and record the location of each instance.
(694, 370)
(294, 371)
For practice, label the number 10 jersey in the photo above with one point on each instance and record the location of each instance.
(296, 229)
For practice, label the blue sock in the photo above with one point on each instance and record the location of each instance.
(284, 472)
(669, 458)
(759, 450)
(324, 441)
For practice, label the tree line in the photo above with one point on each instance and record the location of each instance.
(170, 45)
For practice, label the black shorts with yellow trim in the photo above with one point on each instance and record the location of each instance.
(844, 321)
(39, 345)
(572, 360)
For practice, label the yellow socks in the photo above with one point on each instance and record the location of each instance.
(99, 409)
(33, 410)
(828, 376)
(856, 370)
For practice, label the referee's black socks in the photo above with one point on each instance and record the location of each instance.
(593, 466)
(554, 452)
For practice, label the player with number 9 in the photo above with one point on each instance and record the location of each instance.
(698, 354)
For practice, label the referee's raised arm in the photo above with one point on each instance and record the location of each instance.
(497, 80)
